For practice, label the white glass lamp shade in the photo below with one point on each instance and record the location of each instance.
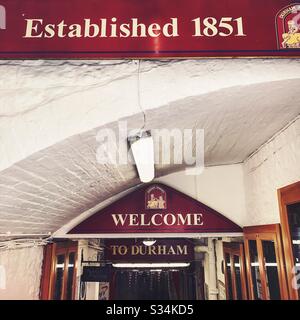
(142, 148)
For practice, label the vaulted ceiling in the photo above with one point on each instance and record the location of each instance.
(51, 112)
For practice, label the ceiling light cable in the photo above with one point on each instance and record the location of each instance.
(139, 95)
(142, 144)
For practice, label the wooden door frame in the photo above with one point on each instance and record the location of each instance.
(270, 232)
(286, 196)
(235, 249)
(49, 270)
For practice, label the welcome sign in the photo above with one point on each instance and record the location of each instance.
(155, 209)
(148, 29)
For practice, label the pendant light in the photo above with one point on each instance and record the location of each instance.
(142, 146)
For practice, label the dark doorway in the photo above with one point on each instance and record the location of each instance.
(154, 284)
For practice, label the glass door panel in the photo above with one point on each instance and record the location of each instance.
(271, 270)
(59, 277)
(255, 273)
(228, 277)
(237, 274)
(70, 275)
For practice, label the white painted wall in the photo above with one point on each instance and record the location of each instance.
(221, 188)
(22, 273)
(275, 165)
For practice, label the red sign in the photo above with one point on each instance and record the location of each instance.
(148, 29)
(156, 209)
(163, 250)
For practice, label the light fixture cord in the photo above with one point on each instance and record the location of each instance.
(139, 96)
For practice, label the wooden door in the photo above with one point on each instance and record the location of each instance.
(265, 263)
(289, 204)
(59, 271)
(234, 270)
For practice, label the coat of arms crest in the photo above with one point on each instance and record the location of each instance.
(156, 198)
(288, 27)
